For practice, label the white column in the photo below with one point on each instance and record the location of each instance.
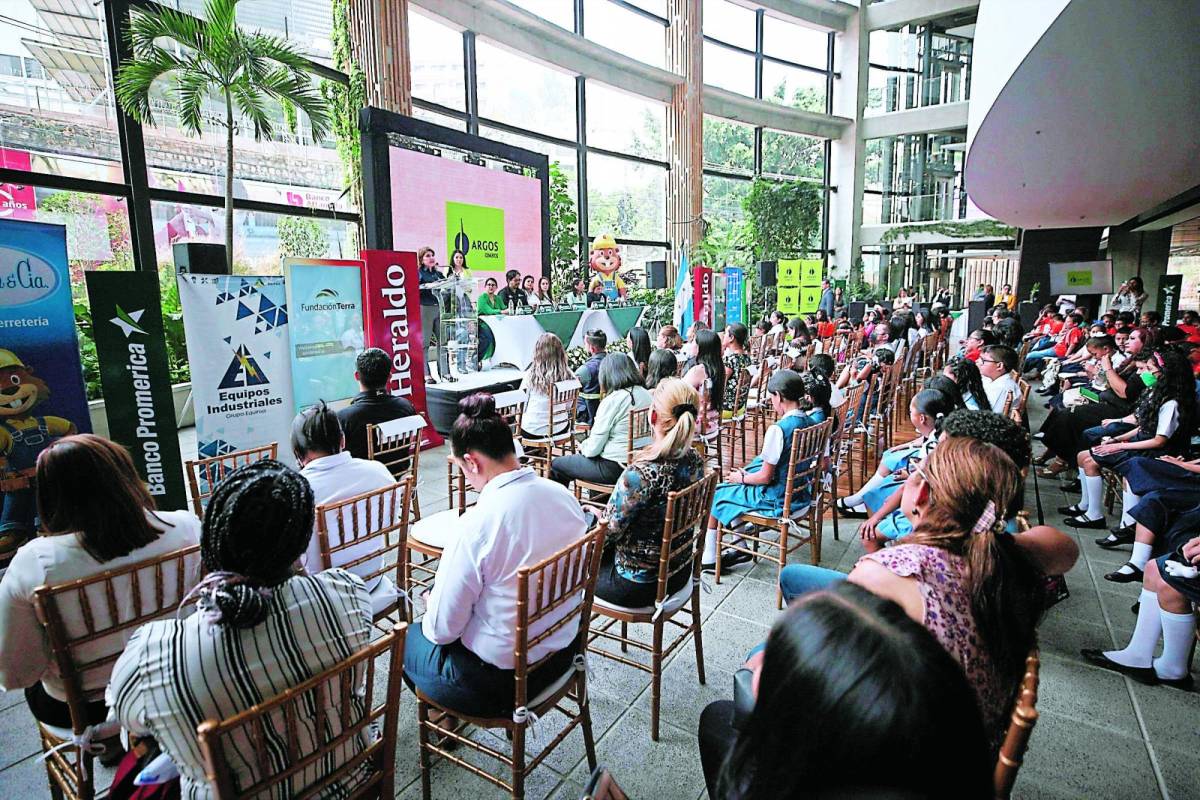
(847, 156)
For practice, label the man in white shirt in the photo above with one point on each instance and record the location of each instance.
(461, 655)
(996, 365)
(334, 475)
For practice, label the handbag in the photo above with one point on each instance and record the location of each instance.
(743, 697)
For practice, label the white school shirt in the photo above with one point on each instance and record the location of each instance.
(46, 560)
(772, 449)
(1168, 419)
(340, 477)
(519, 520)
(535, 419)
(837, 398)
(998, 390)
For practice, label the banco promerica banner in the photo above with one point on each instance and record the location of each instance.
(325, 328)
(42, 394)
(127, 325)
(237, 342)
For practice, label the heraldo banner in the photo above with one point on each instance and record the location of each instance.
(392, 312)
(42, 394)
(325, 328)
(127, 325)
(237, 341)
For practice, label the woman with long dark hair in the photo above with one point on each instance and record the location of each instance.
(707, 377)
(639, 347)
(96, 515)
(662, 365)
(963, 372)
(853, 696)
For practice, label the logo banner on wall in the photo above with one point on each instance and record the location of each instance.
(127, 325)
(1170, 287)
(392, 312)
(478, 231)
(237, 342)
(735, 295)
(325, 328)
(702, 299)
(42, 394)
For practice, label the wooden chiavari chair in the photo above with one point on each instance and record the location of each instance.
(1020, 728)
(640, 434)
(602, 786)
(397, 445)
(540, 451)
(204, 474)
(841, 448)
(735, 425)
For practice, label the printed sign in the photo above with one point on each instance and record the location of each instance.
(392, 313)
(810, 299)
(237, 342)
(811, 271)
(1169, 289)
(789, 272)
(1079, 278)
(325, 328)
(478, 231)
(789, 300)
(702, 295)
(127, 325)
(735, 295)
(42, 394)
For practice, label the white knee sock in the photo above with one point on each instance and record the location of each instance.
(1140, 650)
(1178, 631)
(873, 482)
(1128, 501)
(710, 547)
(1141, 554)
(1093, 496)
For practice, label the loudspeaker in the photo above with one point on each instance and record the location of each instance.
(1028, 313)
(766, 272)
(858, 309)
(656, 275)
(976, 312)
(200, 259)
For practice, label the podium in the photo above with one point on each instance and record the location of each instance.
(458, 338)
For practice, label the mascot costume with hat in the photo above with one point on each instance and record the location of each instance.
(605, 262)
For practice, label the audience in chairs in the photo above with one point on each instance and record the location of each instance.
(854, 700)
(375, 404)
(549, 366)
(638, 506)
(736, 359)
(96, 515)
(707, 376)
(965, 374)
(461, 655)
(662, 364)
(259, 628)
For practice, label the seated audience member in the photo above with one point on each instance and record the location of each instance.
(662, 364)
(461, 655)
(973, 345)
(1161, 424)
(1150, 319)
(824, 364)
(639, 348)
(854, 700)
(374, 404)
(96, 515)
(869, 361)
(334, 475)
(549, 366)
(489, 303)
(589, 375)
(260, 628)
(638, 506)
(707, 376)
(512, 296)
(1007, 298)
(1067, 341)
(798, 333)
(605, 452)
(801, 401)
(669, 339)
(996, 365)
(825, 325)
(967, 376)
(736, 360)
(1157, 494)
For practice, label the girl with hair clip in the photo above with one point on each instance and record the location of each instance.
(260, 628)
(549, 366)
(801, 401)
(707, 376)
(1161, 425)
(638, 505)
(970, 383)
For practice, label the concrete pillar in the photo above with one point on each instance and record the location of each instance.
(685, 128)
(1040, 248)
(1142, 253)
(379, 47)
(850, 51)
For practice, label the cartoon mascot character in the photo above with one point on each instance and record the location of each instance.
(605, 261)
(23, 437)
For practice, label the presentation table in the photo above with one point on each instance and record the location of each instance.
(515, 336)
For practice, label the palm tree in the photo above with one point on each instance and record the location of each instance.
(214, 57)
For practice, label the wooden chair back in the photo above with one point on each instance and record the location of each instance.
(367, 534)
(292, 741)
(564, 396)
(544, 590)
(510, 405)
(204, 474)
(687, 510)
(741, 391)
(804, 463)
(641, 432)
(1016, 740)
(397, 444)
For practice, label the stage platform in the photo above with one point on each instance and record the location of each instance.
(441, 399)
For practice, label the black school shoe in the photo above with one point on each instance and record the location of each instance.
(1071, 487)
(728, 560)
(1081, 523)
(1072, 511)
(1117, 576)
(1117, 538)
(1145, 675)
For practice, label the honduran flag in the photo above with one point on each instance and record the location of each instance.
(683, 297)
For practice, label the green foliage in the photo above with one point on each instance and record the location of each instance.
(859, 290)
(302, 237)
(87, 350)
(956, 229)
(346, 101)
(1034, 290)
(564, 233)
(782, 218)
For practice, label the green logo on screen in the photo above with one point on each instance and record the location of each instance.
(1081, 277)
(478, 231)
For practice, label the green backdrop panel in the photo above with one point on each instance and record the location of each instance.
(789, 299)
(561, 323)
(788, 272)
(625, 318)
(810, 298)
(811, 272)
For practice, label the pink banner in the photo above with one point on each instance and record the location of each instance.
(392, 318)
(702, 305)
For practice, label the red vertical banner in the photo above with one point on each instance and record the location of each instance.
(392, 319)
(702, 295)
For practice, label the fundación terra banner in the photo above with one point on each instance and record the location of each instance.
(325, 328)
(478, 231)
(237, 343)
(127, 325)
(42, 393)
(392, 312)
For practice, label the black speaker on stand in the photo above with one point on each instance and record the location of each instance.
(767, 274)
(656, 274)
(200, 259)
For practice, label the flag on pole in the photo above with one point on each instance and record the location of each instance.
(683, 297)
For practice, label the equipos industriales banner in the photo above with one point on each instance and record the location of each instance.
(42, 393)
(127, 326)
(325, 328)
(237, 342)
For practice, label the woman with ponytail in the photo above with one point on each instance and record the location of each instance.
(638, 506)
(260, 627)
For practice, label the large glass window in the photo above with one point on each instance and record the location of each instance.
(728, 69)
(792, 42)
(730, 23)
(919, 65)
(625, 123)
(791, 86)
(436, 53)
(792, 155)
(723, 200)
(559, 12)
(524, 93)
(626, 198)
(626, 31)
(728, 146)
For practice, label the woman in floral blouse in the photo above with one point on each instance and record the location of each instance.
(736, 359)
(638, 506)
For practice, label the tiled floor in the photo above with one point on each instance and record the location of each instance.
(1100, 735)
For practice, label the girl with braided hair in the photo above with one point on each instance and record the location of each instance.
(260, 628)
